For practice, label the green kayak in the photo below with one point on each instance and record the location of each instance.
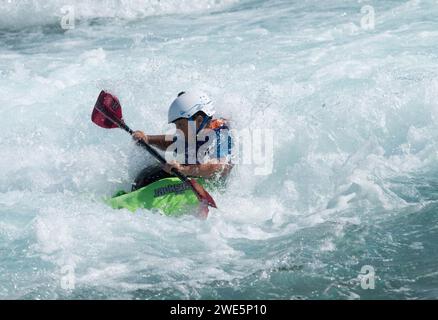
(169, 195)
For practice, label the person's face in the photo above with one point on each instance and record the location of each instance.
(183, 125)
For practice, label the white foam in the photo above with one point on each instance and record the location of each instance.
(18, 14)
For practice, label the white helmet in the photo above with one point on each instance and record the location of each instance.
(189, 103)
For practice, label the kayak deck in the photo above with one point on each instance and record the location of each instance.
(171, 196)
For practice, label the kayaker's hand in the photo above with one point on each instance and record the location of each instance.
(169, 166)
(139, 135)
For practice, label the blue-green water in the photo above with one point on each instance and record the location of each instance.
(354, 112)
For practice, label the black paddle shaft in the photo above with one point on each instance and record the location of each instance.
(151, 150)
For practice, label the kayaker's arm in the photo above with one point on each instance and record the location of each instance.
(205, 170)
(158, 141)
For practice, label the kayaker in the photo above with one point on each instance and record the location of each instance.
(193, 111)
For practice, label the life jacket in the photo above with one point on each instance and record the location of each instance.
(221, 129)
(218, 124)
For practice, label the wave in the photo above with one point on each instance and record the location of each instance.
(21, 14)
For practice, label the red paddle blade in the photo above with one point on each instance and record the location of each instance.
(106, 107)
(202, 194)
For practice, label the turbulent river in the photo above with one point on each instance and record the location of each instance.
(348, 89)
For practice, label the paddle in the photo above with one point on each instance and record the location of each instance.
(107, 113)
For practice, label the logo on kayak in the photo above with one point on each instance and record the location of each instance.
(175, 188)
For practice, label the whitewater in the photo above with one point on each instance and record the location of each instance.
(353, 108)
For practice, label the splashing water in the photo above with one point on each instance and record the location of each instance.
(354, 113)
